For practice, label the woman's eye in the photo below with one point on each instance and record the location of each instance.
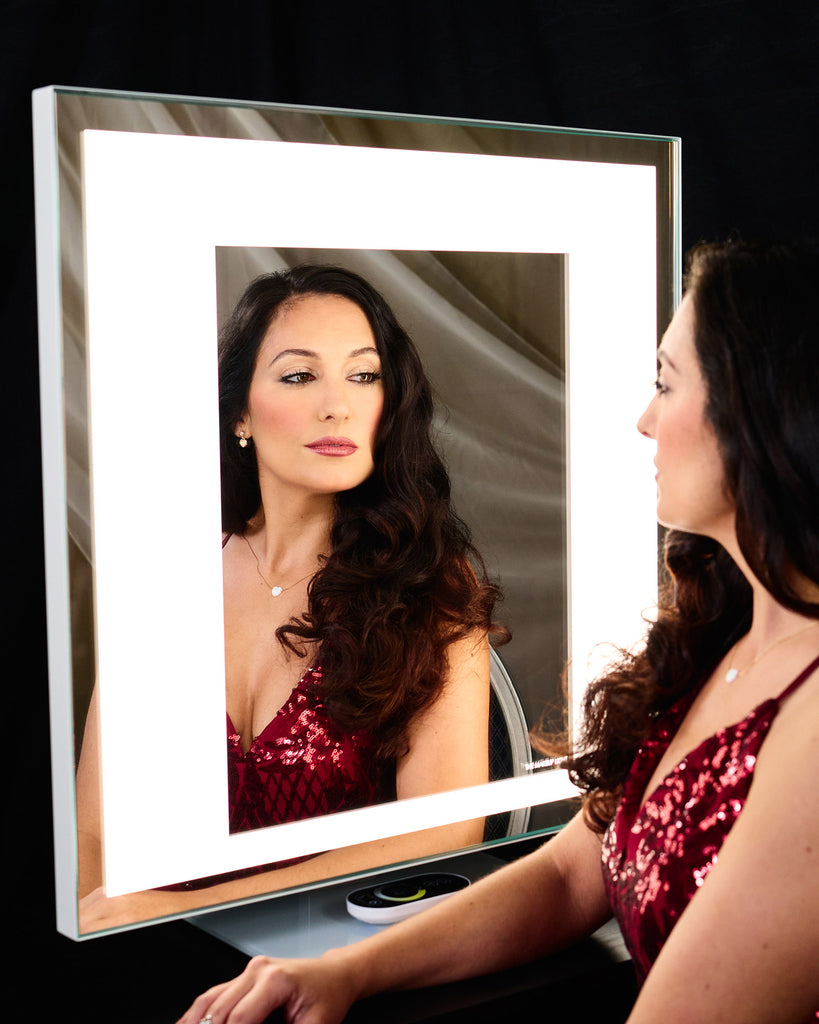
(299, 377)
(366, 377)
(660, 387)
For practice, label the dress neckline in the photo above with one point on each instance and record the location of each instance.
(669, 723)
(234, 732)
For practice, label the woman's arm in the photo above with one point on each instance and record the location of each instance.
(747, 946)
(537, 905)
(448, 749)
(449, 741)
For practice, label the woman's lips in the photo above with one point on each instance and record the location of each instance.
(334, 446)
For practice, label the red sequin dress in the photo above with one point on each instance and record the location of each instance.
(658, 853)
(299, 766)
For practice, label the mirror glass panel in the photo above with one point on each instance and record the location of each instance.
(534, 268)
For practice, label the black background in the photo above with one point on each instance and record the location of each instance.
(736, 80)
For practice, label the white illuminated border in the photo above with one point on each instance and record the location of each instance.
(155, 209)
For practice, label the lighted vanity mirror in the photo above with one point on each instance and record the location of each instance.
(533, 267)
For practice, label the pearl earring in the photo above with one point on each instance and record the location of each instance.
(242, 439)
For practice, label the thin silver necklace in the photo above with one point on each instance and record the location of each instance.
(275, 591)
(734, 673)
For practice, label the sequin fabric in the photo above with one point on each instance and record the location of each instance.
(299, 766)
(657, 854)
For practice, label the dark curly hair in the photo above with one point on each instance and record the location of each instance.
(757, 342)
(402, 581)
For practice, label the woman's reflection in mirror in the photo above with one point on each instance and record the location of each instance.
(358, 614)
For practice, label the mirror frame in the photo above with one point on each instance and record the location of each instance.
(609, 202)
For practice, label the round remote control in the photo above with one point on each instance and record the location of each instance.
(387, 902)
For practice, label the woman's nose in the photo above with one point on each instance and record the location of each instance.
(334, 403)
(646, 421)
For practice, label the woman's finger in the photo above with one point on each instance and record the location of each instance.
(248, 998)
(309, 992)
(200, 1007)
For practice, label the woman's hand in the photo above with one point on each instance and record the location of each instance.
(308, 991)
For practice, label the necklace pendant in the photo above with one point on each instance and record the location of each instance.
(731, 675)
(275, 591)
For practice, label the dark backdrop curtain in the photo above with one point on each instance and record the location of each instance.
(735, 79)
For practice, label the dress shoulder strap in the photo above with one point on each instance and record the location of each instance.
(803, 675)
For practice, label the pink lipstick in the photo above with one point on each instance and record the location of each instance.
(333, 446)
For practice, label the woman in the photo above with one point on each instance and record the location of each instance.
(356, 630)
(701, 751)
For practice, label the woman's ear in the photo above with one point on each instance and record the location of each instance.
(242, 431)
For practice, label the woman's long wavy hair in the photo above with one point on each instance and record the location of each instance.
(402, 581)
(757, 341)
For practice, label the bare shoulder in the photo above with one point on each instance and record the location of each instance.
(469, 653)
(780, 820)
(463, 700)
(790, 754)
(465, 692)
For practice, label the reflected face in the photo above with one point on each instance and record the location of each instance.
(315, 398)
(691, 493)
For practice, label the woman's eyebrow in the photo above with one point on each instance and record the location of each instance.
(662, 357)
(305, 353)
